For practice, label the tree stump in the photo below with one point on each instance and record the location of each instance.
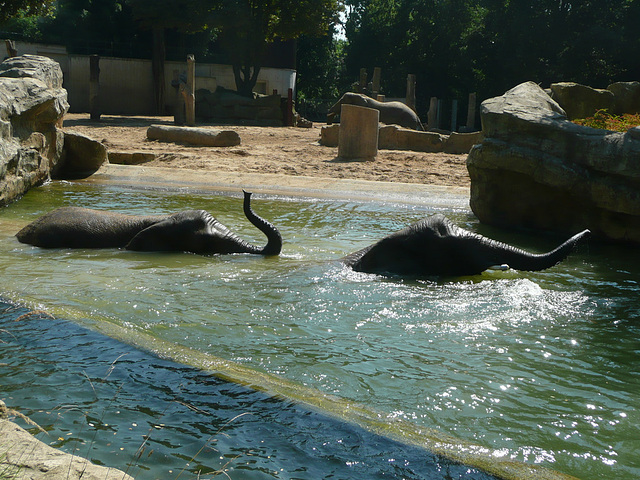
(358, 133)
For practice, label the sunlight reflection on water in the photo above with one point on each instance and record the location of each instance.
(508, 359)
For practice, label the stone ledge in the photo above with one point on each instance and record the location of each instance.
(24, 457)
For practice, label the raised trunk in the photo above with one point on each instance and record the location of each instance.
(274, 239)
(520, 260)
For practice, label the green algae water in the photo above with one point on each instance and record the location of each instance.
(536, 367)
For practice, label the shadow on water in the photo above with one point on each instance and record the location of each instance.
(103, 399)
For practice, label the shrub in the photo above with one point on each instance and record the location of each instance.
(607, 121)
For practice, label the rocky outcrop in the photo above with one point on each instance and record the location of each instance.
(23, 456)
(32, 104)
(536, 169)
(582, 101)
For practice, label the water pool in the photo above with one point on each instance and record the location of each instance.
(539, 367)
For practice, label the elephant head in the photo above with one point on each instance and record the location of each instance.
(193, 231)
(435, 247)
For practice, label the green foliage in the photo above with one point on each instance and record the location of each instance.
(455, 47)
(12, 8)
(247, 26)
(607, 121)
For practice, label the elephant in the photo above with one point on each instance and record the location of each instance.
(390, 112)
(434, 248)
(194, 231)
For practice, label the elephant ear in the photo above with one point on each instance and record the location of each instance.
(160, 236)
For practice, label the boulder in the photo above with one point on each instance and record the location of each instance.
(536, 169)
(627, 97)
(81, 157)
(581, 101)
(24, 456)
(32, 104)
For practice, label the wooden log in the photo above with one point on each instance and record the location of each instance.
(194, 136)
(358, 138)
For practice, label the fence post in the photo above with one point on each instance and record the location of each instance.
(410, 98)
(454, 115)
(432, 114)
(471, 113)
(363, 80)
(375, 87)
(94, 87)
(190, 91)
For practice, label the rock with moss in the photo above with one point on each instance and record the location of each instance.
(536, 169)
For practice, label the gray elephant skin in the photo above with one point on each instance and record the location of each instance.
(194, 231)
(435, 247)
(391, 113)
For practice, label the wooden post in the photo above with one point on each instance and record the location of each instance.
(471, 113)
(454, 115)
(410, 99)
(358, 138)
(432, 114)
(289, 118)
(190, 92)
(178, 114)
(375, 84)
(363, 80)
(11, 48)
(94, 87)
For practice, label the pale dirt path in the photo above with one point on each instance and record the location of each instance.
(276, 150)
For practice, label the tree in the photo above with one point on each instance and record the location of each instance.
(12, 8)
(246, 27)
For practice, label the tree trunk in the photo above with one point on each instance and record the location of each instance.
(246, 78)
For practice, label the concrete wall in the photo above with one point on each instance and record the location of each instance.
(126, 85)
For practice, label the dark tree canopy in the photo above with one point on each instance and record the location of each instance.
(246, 27)
(11, 8)
(459, 46)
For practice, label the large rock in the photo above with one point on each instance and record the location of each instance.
(581, 101)
(627, 97)
(25, 457)
(81, 156)
(32, 104)
(536, 169)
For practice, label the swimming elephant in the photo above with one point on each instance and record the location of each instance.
(435, 247)
(193, 231)
(396, 113)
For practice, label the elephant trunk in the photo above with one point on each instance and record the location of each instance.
(274, 239)
(520, 260)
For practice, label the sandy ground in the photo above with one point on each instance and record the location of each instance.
(276, 150)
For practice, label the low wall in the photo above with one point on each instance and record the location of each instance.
(126, 85)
